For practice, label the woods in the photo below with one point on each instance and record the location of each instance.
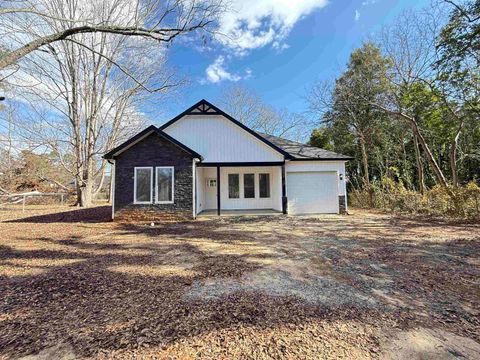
(79, 94)
(407, 108)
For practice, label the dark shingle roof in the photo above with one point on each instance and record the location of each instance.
(301, 151)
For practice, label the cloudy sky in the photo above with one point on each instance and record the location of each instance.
(279, 47)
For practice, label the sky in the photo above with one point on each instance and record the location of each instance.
(277, 48)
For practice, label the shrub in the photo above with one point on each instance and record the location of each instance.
(388, 195)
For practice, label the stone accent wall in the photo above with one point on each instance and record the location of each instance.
(341, 202)
(153, 151)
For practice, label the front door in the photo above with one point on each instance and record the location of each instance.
(210, 193)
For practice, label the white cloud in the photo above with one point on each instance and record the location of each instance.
(253, 24)
(217, 72)
(357, 15)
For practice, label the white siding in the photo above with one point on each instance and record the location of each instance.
(208, 199)
(217, 139)
(273, 202)
(315, 166)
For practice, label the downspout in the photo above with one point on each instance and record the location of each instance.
(284, 190)
(194, 187)
(112, 181)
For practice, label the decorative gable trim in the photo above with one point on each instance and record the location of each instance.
(203, 107)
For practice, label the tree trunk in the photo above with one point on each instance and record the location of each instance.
(453, 155)
(453, 162)
(431, 159)
(85, 193)
(366, 175)
(418, 159)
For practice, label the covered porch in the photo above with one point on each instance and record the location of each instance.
(232, 189)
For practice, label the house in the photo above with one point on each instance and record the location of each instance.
(205, 161)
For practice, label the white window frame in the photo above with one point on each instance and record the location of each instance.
(240, 181)
(156, 185)
(269, 185)
(254, 185)
(209, 182)
(135, 185)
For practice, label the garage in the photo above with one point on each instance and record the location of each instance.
(312, 192)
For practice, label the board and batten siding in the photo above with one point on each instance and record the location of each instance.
(218, 139)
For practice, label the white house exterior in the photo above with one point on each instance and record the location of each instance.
(204, 160)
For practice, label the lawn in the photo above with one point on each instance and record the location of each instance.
(367, 285)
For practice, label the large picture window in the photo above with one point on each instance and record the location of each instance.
(143, 181)
(233, 186)
(264, 180)
(248, 186)
(164, 185)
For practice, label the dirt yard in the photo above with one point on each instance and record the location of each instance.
(74, 285)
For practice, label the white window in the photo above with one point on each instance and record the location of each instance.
(143, 185)
(264, 180)
(212, 182)
(164, 185)
(249, 186)
(233, 186)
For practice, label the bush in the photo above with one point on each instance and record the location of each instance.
(388, 195)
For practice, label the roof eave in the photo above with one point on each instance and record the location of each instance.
(322, 159)
(110, 155)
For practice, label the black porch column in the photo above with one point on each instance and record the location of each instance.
(284, 191)
(218, 190)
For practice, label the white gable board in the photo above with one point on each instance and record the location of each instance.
(218, 139)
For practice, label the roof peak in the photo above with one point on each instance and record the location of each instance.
(203, 107)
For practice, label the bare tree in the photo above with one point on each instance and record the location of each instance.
(159, 20)
(249, 108)
(410, 44)
(83, 93)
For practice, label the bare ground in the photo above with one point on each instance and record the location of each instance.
(74, 285)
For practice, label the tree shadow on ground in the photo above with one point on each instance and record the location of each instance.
(128, 289)
(97, 214)
(118, 301)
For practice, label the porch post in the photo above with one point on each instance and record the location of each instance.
(218, 190)
(284, 191)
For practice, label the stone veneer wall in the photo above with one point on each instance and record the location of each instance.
(153, 151)
(341, 202)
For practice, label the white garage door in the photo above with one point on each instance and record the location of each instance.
(312, 192)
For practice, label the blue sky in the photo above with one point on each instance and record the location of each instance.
(314, 45)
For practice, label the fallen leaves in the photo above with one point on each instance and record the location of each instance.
(273, 288)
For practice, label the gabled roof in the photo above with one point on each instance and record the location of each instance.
(203, 107)
(143, 134)
(299, 151)
(292, 150)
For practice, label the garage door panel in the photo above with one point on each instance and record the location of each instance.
(312, 192)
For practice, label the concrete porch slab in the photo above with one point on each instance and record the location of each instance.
(252, 212)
